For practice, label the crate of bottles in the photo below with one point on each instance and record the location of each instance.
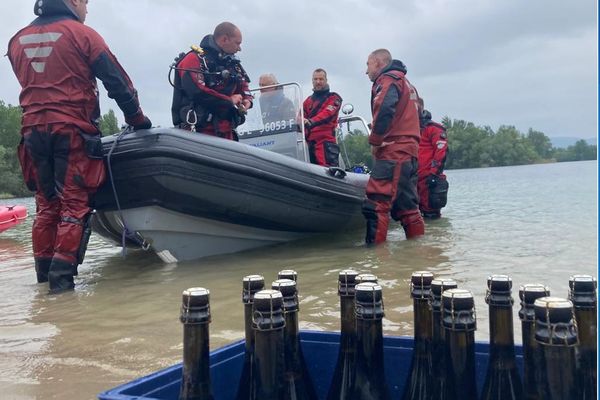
(442, 360)
(320, 350)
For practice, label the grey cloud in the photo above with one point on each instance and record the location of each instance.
(527, 63)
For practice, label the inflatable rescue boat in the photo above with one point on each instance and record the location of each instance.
(11, 216)
(187, 195)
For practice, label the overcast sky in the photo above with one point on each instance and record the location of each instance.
(527, 63)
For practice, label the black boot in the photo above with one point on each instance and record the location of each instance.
(431, 214)
(60, 276)
(42, 265)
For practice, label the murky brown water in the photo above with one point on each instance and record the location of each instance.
(535, 223)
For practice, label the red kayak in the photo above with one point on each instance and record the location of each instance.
(11, 216)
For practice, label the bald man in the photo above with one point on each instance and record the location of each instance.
(394, 137)
(210, 93)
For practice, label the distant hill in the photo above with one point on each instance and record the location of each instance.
(565, 141)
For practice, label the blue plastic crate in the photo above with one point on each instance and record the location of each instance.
(320, 350)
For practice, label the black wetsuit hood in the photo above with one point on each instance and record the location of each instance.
(209, 45)
(53, 8)
(395, 65)
(321, 93)
(424, 118)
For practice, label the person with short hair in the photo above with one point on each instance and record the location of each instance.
(321, 112)
(274, 106)
(394, 137)
(57, 59)
(210, 93)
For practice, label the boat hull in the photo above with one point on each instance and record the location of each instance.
(194, 195)
(174, 236)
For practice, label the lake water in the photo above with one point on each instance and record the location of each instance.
(536, 223)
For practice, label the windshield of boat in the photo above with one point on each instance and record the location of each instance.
(273, 121)
(353, 138)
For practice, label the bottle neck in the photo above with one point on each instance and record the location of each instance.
(460, 353)
(530, 359)
(437, 330)
(528, 335)
(423, 321)
(586, 327)
(195, 381)
(249, 333)
(291, 331)
(501, 326)
(348, 320)
(196, 343)
(269, 363)
(369, 341)
(461, 347)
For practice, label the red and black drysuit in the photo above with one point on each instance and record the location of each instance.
(392, 187)
(203, 86)
(321, 111)
(433, 187)
(56, 60)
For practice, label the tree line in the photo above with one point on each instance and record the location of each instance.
(470, 146)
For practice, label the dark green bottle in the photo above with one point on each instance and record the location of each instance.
(368, 382)
(268, 323)
(420, 378)
(251, 284)
(531, 352)
(341, 383)
(502, 381)
(364, 278)
(195, 316)
(556, 334)
(438, 286)
(288, 274)
(459, 323)
(297, 384)
(583, 294)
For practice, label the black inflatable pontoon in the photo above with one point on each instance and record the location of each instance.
(188, 195)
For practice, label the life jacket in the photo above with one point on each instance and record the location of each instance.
(394, 108)
(322, 109)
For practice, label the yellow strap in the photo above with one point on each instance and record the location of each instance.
(197, 49)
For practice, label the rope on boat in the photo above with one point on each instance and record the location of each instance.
(126, 233)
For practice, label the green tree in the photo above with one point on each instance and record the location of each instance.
(466, 144)
(578, 152)
(108, 123)
(540, 142)
(471, 146)
(10, 125)
(583, 151)
(508, 147)
(356, 146)
(447, 122)
(10, 137)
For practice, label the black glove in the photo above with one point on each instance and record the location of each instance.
(138, 121)
(432, 180)
(239, 116)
